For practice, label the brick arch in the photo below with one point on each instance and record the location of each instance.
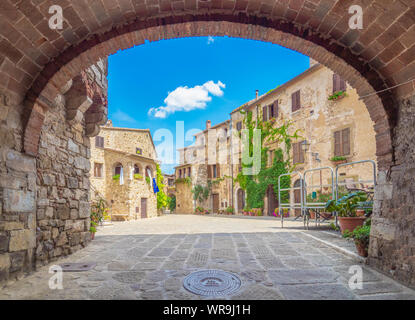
(75, 59)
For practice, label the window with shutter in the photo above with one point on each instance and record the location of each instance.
(214, 172)
(296, 101)
(264, 114)
(342, 142)
(218, 170)
(209, 172)
(271, 111)
(239, 125)
(99, 142)
(298, 153)
(275, 109)
(338, 83)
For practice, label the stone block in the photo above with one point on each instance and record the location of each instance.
(73, 147)
(49, 212)
(384, 229)
(74, 214)
(84, 209)
(62, 212)
(48, 179)
(18, 200)
(4, 242)
(17, 261)
(72, 183)
(22, 240)
(13, 225)
(78, 226)
(62, 239)
(4, 261)
(20, 162)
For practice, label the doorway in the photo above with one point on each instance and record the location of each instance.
(241, 200)
(272, 200)
(143, 208)
(215, 203)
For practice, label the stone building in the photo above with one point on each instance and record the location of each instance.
(207, 165)
(123, 165)
(332, 131)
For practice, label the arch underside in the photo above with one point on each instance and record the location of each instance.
(75, 59)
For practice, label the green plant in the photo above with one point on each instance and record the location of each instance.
(360, 235)
(93, 226)
(334, 227)
(116, 177)
(186, 180)
(148, 181)
(338, 158)
(256, 185)
(201, 193)
(347, 205)
(99, 211)
(230, 210)
(337, 95)
(172, 203)
(138, 176)
(162, 199)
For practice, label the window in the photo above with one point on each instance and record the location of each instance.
(98, 170)
(99, 142)
(342, 142)
(338, 83)
(296, 101)
(189, 171)
(214, 171)
(118, 168)
(180, 173)
(298, 153)
(275, 109)
(139, 151)
(239, 125)
(136, 169)
(265, 113)
(148, 172)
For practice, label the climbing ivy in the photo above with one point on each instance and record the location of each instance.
(257, 185)
(162, 199)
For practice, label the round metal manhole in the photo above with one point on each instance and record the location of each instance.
(212, 283)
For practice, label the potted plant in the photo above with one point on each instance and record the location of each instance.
(361, 237)
(338, 160)
(138, 176)
(346, 210)
(337, 95)
(200, 210)
(93, 229)
(285, 213)
(116, 177)
(229, 210)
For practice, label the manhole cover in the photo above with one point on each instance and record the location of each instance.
(77, 267)
(212, 283)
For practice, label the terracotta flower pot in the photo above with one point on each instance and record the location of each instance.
(361, 249)
(312, 215)
(350, 223)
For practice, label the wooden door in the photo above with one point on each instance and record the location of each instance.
(241, 200)
(272, 200)
(215, 203)
(143, 208)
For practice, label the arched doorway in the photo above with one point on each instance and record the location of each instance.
(241, 200)
(33, 75)
(272, 200)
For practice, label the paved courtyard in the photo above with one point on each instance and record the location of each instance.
(148, 259)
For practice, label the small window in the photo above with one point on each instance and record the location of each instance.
(148, 172)
(342, 142)
(118, 168)
(98, 170)
(136, 169)
(180, 173)
(189, 171)
(298, 153)
(99, 142)
(214, 171)
(265, 113)
(338, 83)
(239, 125)
(296, 101)
(139, 151)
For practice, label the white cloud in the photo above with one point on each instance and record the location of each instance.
(187, 99)
(122, 116)
(210, 40)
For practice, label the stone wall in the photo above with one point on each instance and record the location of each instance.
(44, 201)
(392, 245)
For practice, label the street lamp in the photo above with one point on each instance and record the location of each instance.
(305, 145)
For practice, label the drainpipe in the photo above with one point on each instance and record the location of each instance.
(231, 158)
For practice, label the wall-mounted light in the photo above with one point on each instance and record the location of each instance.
(305, 145)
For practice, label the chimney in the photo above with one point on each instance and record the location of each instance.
(208, 124)
(256, 94)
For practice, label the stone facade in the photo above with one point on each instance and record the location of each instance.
(132, 150)
(45, 212)
(317, 120)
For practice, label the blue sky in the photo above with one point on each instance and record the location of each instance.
(206, 77)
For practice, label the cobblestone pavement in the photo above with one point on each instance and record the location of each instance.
(148, 259)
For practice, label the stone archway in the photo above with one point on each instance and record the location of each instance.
(37, 62)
